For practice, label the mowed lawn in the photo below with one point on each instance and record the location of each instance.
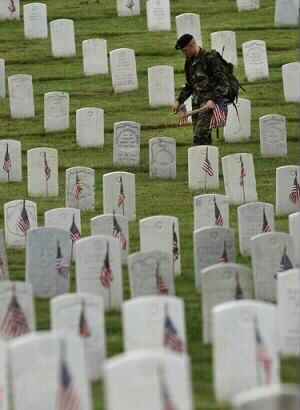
(154, 197)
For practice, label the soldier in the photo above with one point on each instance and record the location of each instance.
(205, 82)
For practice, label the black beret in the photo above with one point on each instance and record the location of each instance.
(183, 41)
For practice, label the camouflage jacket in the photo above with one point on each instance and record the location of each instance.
(201, 85)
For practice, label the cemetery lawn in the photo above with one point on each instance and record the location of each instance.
(154, 197)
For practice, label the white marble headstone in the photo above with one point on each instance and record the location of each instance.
(127, 140)
(287, 189)
(151, 273)
(11, 161)
(123, 70)
(148, 380)
(48, 259)
(271, 254)
(243, 5)
(291, 81)
(255, 60)
(99, 270)
(56, 111)
(294, 230)
(239, 178)
(286, 12)
(10, 10)
(2, 79)
(210, 210)
(4, 381)
(19, 216)
(94, 54)
(17, 314)
(21, 100)
(273, 135)
(161, 85)
(213, 244)
(56, 356)
(42, 178)
(220, 283)
(80, 188)
(62, 34)
(189, 23)
(35, 21)
(153, 322)
(161, 233)
(128, 8)
(158, 15)
(225, 43)
(113, 225)
(90, 127)
(254, 218)
(203, 167)
(162, 157)
(288, 311)
(238, 125)
(4, 271)
(83, 315)
(244, 347)
(119, 194)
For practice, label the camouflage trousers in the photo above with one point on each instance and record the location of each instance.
(201, 130)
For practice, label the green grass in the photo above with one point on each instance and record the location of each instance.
(153, 196)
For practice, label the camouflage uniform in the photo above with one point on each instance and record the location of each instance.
(203, 87)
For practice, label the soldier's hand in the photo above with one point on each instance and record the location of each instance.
(210, 104)
(175, 107)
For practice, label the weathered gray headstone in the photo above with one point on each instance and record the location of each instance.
(42, 164)
(273, 135)
(243, 5)
(4, 271)
(294, 230)
(220, 283)
(2, 79)
(123, 70)
(158, 15)
(127, 140)
(48, 258)
(161, 85)
(213, 244)
(90, 127)
(80, 188)
(11, 161)
(287, 189)
(203, 167)
(113, 225)
(189, 23)
(255, 60)
(153, 322)
(210, 210)
(253, 218)
(62, 38)
(162, 157)
(35, 21)
(19, 216)
(225, 43)
(151, 273)
(291, 81)
(271, 254)
(244, 347)
(94, 53)
(286, 12)
(99, 270)
(238, 125)
(56, 111)
(10, 10)
(128, 8)
(83, 315)
(21, 100)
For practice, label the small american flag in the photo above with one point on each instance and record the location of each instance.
(11, 7)
(14, 323)
(23, 221)
(285, 262)
(84, 329)
(117, 232)
(224, 256)
(47, 169)
(7, 164)
(68, 398)
(161, 286)
(130, 4)
(265, 226)
(175, 248)
(219, 116)
(218, 216)
(77, 188)
(295, 191)
(206, 165)
(171, 338)
(74, 231)
(61, 267)
(106, 275)
(263, 356)
(242, 173)
(238, 294)
(122, 196)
